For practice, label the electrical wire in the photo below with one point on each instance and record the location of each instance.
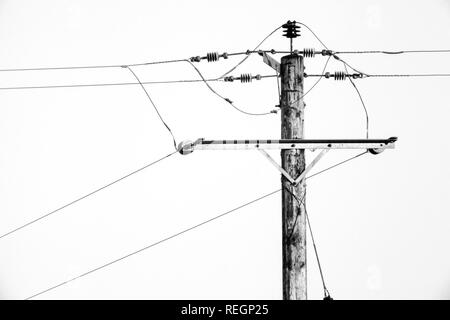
(300, 203)
(153, 244)
(81, 85)
(223, 98)
(393, 52)
(85, 196)
(176, 234)
(315, 83)
(361, 99)
(336, 165)
(409, 75)
(254, 50)
(363, 105)
(312, 32)
(154, 106)
(348, 65)
(90, 66)
(345, 65)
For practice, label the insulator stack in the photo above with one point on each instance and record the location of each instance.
(291, 30)
(246, 77)
(212, 56)
(340, 75)
(309, 52)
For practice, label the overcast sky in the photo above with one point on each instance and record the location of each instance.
(382, 223)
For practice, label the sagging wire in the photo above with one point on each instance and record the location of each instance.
(345, 65)
(362, 102)
(315, 83)
(154, 106)
(227, 99)
(256, 48)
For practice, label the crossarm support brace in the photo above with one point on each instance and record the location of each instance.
(286, 174)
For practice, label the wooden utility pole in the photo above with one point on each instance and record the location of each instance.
(293, 161)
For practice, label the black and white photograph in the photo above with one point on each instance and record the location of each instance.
(244, 151)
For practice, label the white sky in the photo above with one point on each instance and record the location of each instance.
(381, 223)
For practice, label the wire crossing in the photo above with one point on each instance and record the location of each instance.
(84, 197)
(182, 232)
(155, 243)
(291, 29)
(226, 99)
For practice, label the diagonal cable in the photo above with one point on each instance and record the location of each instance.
(154, 106)
(85, 196)
(223, 98)
(154, 244)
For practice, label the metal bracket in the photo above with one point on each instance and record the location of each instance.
(375, 146)
(276, 165)
(271, 62)
(302, 176)
(310, 166)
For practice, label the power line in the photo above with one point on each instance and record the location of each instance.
(361, 99)
(90, 66)
(181, 232)
(243, 60)
(154, 106)
(345, 66)
(78, 85)
(315, 83)
(247, 53)
(82, 85)
(153, 244)
(302, 202)
(393, 52)
(223, 98)
(313, 33)
(336, 165)
(409, 75)
(348, 65)
(85, 196)
(363, 105)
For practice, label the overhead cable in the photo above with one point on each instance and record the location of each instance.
(84, 196)
(152, 245)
